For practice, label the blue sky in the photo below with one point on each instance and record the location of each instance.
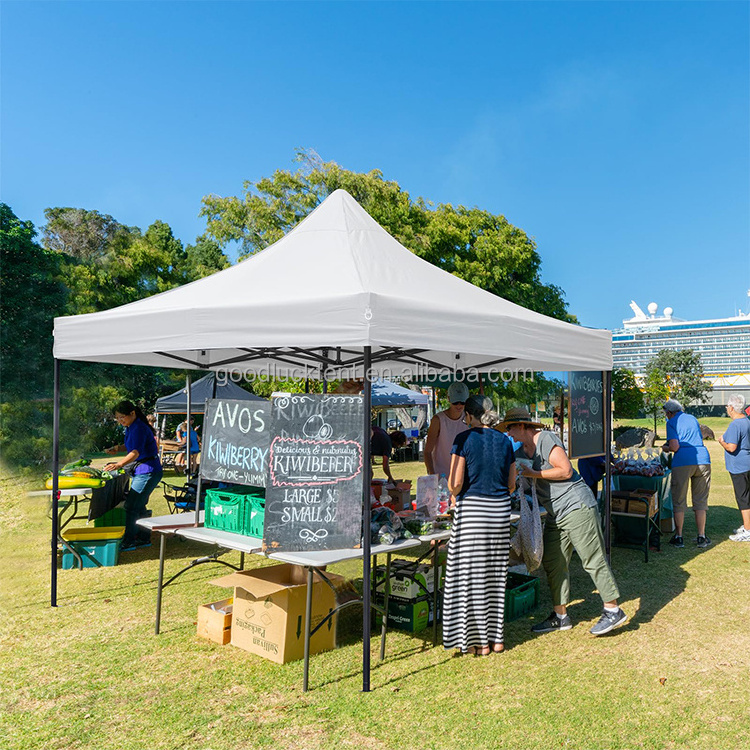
(614, 133)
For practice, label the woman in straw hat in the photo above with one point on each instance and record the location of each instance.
(572, 523)
(482, 473)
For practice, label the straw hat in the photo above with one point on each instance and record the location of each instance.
(517, 415)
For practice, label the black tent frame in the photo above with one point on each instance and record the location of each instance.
(322, 359)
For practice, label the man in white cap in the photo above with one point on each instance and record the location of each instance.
(444, 427)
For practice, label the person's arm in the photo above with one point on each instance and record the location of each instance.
(512, 477)
(457, 471)
(728, 447)
(132, 456)
(431, 443)
(387, 469)
(561, 467)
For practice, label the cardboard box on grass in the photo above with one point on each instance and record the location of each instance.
(268, 616)
(215, 621)
(408, 580)
(412, 616)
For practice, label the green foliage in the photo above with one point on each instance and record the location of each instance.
(87, 236)
(475, 245)
(682, 374)
(203, 259)
(656, 392)
(29, 299)
(627, 395)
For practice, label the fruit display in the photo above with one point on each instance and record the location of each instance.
(639, 464)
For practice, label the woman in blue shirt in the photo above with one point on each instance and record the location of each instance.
(482, 475)
(736, 444)
(140, 445)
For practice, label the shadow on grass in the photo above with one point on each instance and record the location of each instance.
(656, 583)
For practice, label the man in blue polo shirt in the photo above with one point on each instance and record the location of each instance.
(691, 464)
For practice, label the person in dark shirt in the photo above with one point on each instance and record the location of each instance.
(380, 445)
(482, 475)
(142, 451)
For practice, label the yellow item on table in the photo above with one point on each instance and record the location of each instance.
(75, 483)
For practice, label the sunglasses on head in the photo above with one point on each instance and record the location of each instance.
(458, 403)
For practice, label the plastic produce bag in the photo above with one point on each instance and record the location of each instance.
(527, 544)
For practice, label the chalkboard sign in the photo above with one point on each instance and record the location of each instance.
(586, 415)
(236, 435)
(315, 473)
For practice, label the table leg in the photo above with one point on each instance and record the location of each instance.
(308, 624)
(386, 594)
(159, 585)
(242, 560)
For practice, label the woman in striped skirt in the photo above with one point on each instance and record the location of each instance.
(482, 472)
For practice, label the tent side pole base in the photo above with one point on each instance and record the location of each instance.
(55, 474)
(607, 467)
(366, 511)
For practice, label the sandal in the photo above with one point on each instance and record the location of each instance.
(498, 648)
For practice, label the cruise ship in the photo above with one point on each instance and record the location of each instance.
(723, 343)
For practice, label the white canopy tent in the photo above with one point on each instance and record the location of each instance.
(335, 297)
(338, 282)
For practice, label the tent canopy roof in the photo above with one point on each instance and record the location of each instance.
(200, 391)
(338, 282)
(391, 394)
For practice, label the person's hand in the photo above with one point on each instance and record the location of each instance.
(530, 473)
(111, 466)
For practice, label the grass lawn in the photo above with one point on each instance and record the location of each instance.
(91, 674)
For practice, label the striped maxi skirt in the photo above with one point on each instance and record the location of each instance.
(476, 572)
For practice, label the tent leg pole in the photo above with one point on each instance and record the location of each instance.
(366, 511)
(607, 467)
(55, 474)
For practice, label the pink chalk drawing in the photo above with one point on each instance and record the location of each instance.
(284, 462)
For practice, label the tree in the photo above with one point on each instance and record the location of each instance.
(203, 258)
(471, 243)
(656, 393)
(627, 395)
(84, 235)
(30, 298)
(682, 373)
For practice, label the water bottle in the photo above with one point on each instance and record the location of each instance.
(444, 494)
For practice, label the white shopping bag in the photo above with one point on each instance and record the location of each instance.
(527, 543)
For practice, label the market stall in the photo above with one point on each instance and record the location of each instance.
(337, 296)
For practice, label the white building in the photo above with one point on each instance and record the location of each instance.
(724, 346)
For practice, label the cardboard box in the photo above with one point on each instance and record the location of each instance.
(268, 616)
(399, 499)
(666, 525)
(409, 581)
(412, 616)
(642, 502)
(215, 621)
(619, 502)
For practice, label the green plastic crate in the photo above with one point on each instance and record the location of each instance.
(255, 515)
(114, 517)
(521, 595)
(239, 512)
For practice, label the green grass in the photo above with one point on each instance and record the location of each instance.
(91, 674)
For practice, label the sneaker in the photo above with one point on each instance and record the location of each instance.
(703, 542)
(553, 622)
(609, 621)
(741, 535)
(676, 541)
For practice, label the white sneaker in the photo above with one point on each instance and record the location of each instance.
(742, 535)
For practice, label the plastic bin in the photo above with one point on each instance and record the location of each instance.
(235, 511)
(521, 595)
(100, 543)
